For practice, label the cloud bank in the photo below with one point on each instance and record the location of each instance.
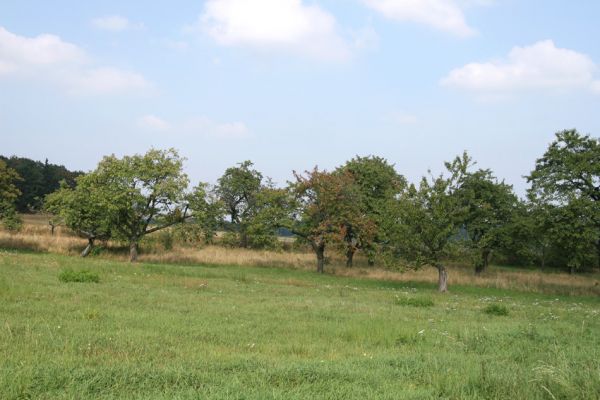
(541, 65)
(274, 25)
(47, 57)
(444, 15)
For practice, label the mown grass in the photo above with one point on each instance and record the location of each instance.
(155, 331)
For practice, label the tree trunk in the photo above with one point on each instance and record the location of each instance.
(543, 258)
(442, 278)
(243, 239)
(319, 249)
(350, 256)
(479, 268)
(485, 259)
(598, 252)
(133, 251)
(88, 248)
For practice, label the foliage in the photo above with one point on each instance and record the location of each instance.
(237, 190)
(323, 205)
(489, 207)
(166, 239)
(378, 183)
(569, 167)
(87, 208)
(83, 276)
(207, 211)
(38, 180)
(146, 193)
(573, 232)
(425, 221)
(567, 181)
(9, 193)
(271, 212)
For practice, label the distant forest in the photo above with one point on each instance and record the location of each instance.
(37, 180)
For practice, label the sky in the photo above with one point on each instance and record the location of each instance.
(291, 84)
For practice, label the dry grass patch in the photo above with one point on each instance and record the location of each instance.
(36, 237)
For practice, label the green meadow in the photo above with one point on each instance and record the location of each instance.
(159, 331)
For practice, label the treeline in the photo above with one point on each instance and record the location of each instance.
(364, 206)
(37, 179)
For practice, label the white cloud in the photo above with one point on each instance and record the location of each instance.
(16, 51)
(539, 66)
(202, 126)
(287, 25)
(445, 15)
(115, 23)
(49, 58)
(152, 123)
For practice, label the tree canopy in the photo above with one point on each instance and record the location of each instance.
(9, 193)
(427, 222)
(377, 182)
(38, 180)
(324, 205)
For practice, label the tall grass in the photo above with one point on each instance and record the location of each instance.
(36, 237)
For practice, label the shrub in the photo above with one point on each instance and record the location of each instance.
(97, 250)
(496, 309)
(414, 301)
(230, 239)
(166, 239)
(10, 219)
(190, 234)
(69, 275)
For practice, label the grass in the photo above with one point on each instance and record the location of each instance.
(415, 301)
(160, 331)
(37, 238)
(70, 275)
(496, 309)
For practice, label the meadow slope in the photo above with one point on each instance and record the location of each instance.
(160, 331)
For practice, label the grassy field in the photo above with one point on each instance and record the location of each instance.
(159, 331)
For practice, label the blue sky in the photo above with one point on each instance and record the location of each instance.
(290, 84)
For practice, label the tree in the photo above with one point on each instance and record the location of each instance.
(237, 189)
(8, 195)
(489, 207)
(86, 209)
(207, 211)
(271, 212)
(38, 180)
(574, 233)
(569, 171)
(146, 193)
(426, 222)
(378, 183)
(322, 204)
(529, 235)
